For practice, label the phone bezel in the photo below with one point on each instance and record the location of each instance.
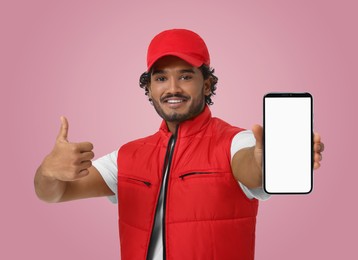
(287, 95)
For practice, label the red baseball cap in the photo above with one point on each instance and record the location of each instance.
(181, 43)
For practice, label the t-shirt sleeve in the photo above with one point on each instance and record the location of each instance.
(242, 140)
(107, 167)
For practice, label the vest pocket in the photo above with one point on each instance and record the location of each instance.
(134, 180)
(200, 174)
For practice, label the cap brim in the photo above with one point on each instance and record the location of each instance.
(189, 59)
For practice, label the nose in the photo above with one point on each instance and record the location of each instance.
(173, 86)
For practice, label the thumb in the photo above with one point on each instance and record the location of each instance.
(258, 133)
(62, 135)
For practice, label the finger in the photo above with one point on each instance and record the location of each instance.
(322, 147)
(82, 169)
(87, 156)
(83, 173)
(85, 147)
(258, 131)
(316, 138)
(62, 135)
(85, 165)
(318, 147)
(317, 157)
(316, 165)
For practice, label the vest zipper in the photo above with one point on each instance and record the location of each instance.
(168, 164)
(164, 185)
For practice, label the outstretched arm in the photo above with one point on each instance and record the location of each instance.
(246, 164)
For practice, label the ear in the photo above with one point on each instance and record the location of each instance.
(207, 86)
(149, 91)
(149, 94)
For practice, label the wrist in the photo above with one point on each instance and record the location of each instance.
(44, 170)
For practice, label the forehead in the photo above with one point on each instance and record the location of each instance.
(171, 62)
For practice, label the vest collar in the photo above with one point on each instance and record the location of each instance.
(191, 126)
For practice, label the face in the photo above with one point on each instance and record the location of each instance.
(177, 89)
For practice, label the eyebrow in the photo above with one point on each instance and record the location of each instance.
(180, 71)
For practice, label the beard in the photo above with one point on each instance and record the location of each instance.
(195, 109)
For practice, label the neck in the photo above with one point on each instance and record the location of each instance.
(172, 126)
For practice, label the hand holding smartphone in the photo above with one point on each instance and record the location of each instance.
(288, 143)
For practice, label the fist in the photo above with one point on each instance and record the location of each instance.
(68, 161)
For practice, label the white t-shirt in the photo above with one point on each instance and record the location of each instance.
(107, 166)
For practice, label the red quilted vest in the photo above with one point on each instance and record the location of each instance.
(207, 215)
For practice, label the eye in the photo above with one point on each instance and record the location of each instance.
(186, 77)
(160, 78)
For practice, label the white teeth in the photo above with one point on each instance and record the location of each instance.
(174, 101)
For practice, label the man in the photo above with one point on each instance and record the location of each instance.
(190, 190)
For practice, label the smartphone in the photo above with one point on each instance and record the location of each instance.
(288, 143)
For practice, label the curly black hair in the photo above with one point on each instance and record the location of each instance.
(144, 81)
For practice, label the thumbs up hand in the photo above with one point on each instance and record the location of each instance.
(68, 161)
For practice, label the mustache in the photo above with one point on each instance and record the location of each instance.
(163, 99)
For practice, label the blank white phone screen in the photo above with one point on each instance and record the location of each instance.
(288, 144)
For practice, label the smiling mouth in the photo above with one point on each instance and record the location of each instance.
(174, 99)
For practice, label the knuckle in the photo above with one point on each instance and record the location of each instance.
(76, 160)
(74, 163)
(76, 171)
(73, 147)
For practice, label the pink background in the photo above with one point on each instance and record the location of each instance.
(82, 59)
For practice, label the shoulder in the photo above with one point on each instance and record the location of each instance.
(222, 128)
(140, 142)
